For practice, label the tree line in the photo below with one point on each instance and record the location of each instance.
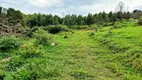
(15, 16)
(69, 20)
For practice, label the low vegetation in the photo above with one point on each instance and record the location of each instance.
(125, 44)
(9, 42)
(42, 37)
(103, 46)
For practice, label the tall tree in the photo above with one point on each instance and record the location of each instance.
(126, 15)
(90, 19)
(73, 19)
(55, 20)
(119, 15)
(110, 16)
(80, 20)
(14, 16)
(105, 17)
(67, 20)
(120, 7)
(49, 19)
(100, 18)
(0, 10)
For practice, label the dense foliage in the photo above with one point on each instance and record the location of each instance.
(69, 20)
(42, 37)
(9, 42)
(14, 16)
(140, 20)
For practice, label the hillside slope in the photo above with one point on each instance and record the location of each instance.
(126, 45)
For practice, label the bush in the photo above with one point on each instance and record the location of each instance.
(42, 37)
(29, 32)
(9, 42)
(54, 29)
(140, 21)
(14, 63)
(120, 25)
(30, 52)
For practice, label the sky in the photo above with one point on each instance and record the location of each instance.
(64, 7)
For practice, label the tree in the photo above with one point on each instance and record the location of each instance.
(136, 14)
(80, 20)
(67, 20)
(95, 18)
(0, 10)
(39, 19)
(126, 15)
(60, 20)
(100, 18)
(55, 20)
(105, 17)
(90, 19)
(119, 15)
(49, 19)
(14, 16)
(110, 16)
(43, 17)
(32, 21)
(135, 11)
(120, 7)
(73, 20)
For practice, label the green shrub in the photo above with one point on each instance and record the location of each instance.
(123, 23)
(37, 71)
(140, 21)
(9, 42)
(42, 37)
(54, 29)
(29, 32)
(30, 52)
(120, 25)
(14, 63)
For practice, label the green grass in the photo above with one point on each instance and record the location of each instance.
(101, 56)
(125, 44)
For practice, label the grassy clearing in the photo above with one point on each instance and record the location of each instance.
(82, 55)
(74, 58)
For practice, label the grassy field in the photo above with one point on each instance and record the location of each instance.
(126, 48)
(83, 55)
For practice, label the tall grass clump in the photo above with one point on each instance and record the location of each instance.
(9, 42)
(30, 52)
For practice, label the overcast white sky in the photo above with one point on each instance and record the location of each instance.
(73, 6)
